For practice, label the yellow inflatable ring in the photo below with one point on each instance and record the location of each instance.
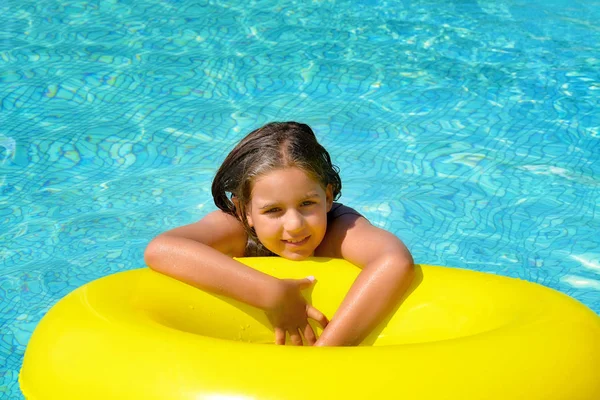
(458, 334)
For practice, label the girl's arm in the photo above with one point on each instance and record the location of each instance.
(387, 271)
(200, 255)
(197, 254)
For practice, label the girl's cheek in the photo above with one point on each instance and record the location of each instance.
(267, 224)
(319, 220)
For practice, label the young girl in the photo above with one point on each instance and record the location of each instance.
(275, 192)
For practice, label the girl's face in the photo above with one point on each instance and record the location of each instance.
(288, 211)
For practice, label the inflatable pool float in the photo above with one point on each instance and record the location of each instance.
(457, 334)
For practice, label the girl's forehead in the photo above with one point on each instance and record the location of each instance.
(289, 175)
(280, 180)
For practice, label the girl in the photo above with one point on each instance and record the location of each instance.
(275, 192)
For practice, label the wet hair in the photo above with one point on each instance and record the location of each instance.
(273, 146)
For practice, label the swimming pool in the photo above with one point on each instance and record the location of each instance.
(469, 129)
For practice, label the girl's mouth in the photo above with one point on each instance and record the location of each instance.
(296, 242)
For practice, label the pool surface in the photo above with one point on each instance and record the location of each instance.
(470, 129)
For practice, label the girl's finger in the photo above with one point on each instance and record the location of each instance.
(279, 336)
(306, 282)
(309, 335)
(295, 337)
(317, 315)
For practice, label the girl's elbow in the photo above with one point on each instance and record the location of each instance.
(404, 266)
(406, 261)
(153, 253)
(404, 274)
(401, 257)
(410, 271)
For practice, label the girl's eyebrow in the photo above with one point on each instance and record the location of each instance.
(268, 205)
(309, 195)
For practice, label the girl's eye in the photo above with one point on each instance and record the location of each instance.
(272, 210)
(308, 203)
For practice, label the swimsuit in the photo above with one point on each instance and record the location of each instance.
(338, 209)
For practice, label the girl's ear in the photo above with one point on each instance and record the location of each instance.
(329, 197)
(238, 211)
(249, 219)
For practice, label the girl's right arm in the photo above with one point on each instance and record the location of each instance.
(200, 255)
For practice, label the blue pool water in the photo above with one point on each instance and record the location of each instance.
(471, 129)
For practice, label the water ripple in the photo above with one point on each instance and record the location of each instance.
(469, 129)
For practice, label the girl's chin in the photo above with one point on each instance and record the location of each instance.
(295, 256)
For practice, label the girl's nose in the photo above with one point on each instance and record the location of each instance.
(294, 221)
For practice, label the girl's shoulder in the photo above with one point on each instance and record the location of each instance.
(227, 232)
(352, 237)
(217, 229)
(340, 220)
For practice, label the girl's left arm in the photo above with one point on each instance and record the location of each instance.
(387, 271)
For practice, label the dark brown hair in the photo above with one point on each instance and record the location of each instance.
(273, 146)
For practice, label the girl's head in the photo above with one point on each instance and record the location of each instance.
(274, 147)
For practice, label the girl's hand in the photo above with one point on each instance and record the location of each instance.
(290, 313)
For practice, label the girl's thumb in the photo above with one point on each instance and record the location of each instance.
(307, 282)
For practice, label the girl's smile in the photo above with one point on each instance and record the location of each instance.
(294, 242)
(288, 211)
